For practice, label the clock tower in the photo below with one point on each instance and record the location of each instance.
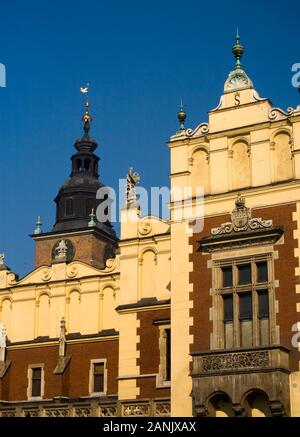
(76, 234)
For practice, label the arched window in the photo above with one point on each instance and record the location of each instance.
(200, 172)
(283, 157)
(148, 274)
(89, 205)
(43, 316)
(257, 404)
(240, 165)
(110, 316)
(220, 406)
(87, 163)
(69, 207)
(78, 165)
(74, 313)
(6, 316)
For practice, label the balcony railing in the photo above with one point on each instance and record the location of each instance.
(135, 408)
(241, 360)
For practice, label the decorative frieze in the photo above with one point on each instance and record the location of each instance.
(8, 413)
(146, 408)
(162, 409)
(31, 412)
(108, 410)
(235, 361)
(136, 410)
(83, 411)
(57, 412)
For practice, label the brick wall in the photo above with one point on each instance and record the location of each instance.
(88, 248)
(149, 352)
(75, 380)
(284, 273)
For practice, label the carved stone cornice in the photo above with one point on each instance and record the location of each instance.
(242, 230)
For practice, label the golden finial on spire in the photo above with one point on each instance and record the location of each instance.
(86, 118)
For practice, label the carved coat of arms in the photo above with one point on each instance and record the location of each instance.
(240, 216)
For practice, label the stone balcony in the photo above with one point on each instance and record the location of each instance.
(238, 372)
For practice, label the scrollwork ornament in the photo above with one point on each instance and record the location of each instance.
(11, 279)
(110, 264)
(145, 228)
(241, 220)
(201, 129)
(274, 112)
(46, 275)
(72, 271)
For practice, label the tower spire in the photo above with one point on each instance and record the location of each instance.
(86, 118)
(238, 50)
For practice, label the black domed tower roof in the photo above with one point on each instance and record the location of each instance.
(77, 197)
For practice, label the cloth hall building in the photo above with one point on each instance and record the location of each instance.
(167, 319)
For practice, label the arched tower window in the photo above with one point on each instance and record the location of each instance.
(89, 205)
(78, 165)
(87, 163)
(69, 207)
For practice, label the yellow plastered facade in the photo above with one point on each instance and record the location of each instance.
(244, 119)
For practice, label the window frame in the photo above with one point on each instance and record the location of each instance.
(161, 381)
(30, 381)
(218, 292)
(91, 377)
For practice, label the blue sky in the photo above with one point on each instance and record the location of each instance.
(140, 59)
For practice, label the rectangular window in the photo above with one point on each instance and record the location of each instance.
(263, 314)
(36, 382)
(263, 304)
(228, 320)
(227, 276)
(164, 343)
(244, 272)
(245, 306)
(98, 377)
(245, 291)
(246, 319)
(262, 271)
(228, 307)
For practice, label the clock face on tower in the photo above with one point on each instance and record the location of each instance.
(237, 81)
(63, 250)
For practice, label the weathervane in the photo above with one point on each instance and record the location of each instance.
(86, 118)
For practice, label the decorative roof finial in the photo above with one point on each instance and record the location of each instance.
(2, 256)
(38, 226)
(238, 50)
(181, 117)
(86, 118)
(92, 223)
(62, 338)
